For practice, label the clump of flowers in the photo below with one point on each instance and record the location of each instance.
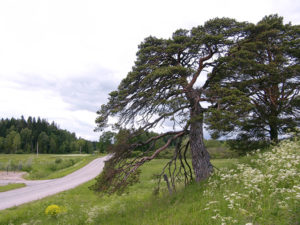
(53, 210)
(267, 181)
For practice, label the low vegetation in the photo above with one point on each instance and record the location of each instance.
(261, 188)
(217, 150)
(44, 166)
(9, 187)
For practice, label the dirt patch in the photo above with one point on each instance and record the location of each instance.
(12, 175)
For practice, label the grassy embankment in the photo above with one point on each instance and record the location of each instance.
(44, 166)
(9, 187)
(217, 150)
(263, 188)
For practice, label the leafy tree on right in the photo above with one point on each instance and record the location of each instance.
(264, 66)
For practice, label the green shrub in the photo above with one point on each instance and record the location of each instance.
(38, 174)
(20, 166)
(28, 165)
(72, 162)
(221, 153)
(53, 166)
(58, 160)
(60, 164)
(19, 151)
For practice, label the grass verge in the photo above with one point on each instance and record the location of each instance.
(263, 188)
(82, 206)
(44, 166)
(9, 187)
(63, 172)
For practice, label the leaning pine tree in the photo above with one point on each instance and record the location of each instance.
(167, 84)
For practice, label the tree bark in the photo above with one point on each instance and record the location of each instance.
(200, 156)
(273, 132)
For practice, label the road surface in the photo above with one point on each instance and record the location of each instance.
(40, 189)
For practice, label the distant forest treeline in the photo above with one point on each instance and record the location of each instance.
(24, 136)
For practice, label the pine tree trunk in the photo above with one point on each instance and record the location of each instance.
(200, 156)
(273, 124)
(273, 133)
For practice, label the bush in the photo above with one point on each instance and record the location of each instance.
(53, 166)
(243, 146)
(38, 174)
(58, 160)
(211, 143)
(28, 165)
(14, 166)
(71, 162)
(8, 166)
(20, 166)
(222, 153)
(61, 164)
(53, 210)
(19, 152)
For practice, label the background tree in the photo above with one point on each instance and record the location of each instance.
(88, 147)
(264, 66)
(2, 144)
(81, 143)
(17, 142)
(43, 141)
(106, 140)
(164, 85)
(126, 135)
(12, 141)
(26, 139)
(74, 146)
(59, 141)
(52, 144)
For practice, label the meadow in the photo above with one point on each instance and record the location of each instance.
(44, 166)
(261, 188)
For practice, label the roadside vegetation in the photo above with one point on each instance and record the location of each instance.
(44, 166)
(9, 187)
(260, 188)
(217, 150)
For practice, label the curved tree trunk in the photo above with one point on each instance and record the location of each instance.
(273, 124)
(274, 133)
(200, 156)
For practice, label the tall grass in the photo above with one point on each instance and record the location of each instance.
(262, 188)
(9, 187)
(43, 166)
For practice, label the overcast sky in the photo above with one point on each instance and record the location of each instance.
(60, 58)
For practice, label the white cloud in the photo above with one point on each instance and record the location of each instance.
(62, 42)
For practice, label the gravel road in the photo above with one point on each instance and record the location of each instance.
(41, 189)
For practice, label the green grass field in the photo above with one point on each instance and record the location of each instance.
(263, 188)
(44, 166)
(9, 187)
